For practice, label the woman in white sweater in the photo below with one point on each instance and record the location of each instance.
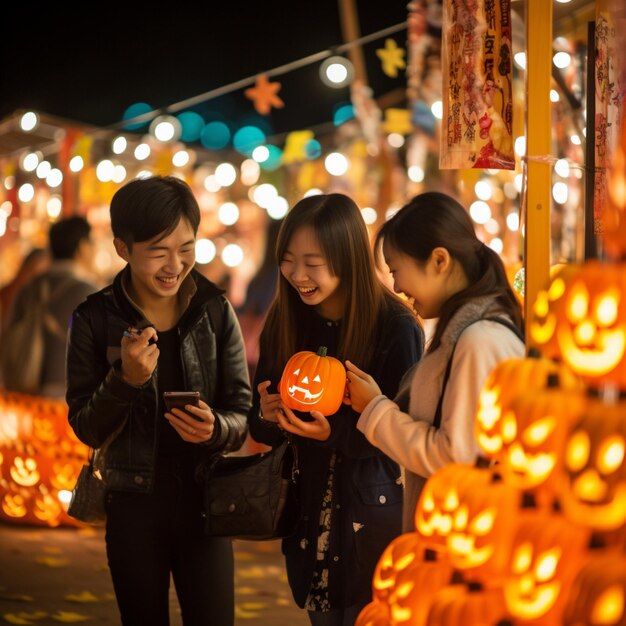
(436, 259)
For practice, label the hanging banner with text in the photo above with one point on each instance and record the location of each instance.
(477, 125)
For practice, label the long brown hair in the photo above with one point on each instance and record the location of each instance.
(340, 230)
(432, 220)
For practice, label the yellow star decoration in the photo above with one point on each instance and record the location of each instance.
(392, 58)
(398, 121)
(264, 95)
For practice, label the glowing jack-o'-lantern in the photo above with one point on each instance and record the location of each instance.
(591, 330)
(313, 382)
(458, 605)
(546, 553)
(546, 311)
(14, 505)
(509, 379)
(24, 471)
(594, 478)
(534, 439)
(598, 595)
(398, 555)
(373, 614)
(482, 524)
(416, 586)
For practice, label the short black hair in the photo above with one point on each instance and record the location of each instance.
(65, 236)
(147, 207)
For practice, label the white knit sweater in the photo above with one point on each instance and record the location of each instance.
(409, 438)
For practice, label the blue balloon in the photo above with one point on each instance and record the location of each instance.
(139, 108)
(192, 124)
(274, 160)
(215, 136)
(247, 138)
(313, 149)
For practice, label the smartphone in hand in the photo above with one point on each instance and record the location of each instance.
(180, 399)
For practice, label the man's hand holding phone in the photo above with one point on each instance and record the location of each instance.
(190, 416)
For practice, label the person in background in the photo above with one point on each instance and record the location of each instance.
(436, 259)
(167, 328)
(35, 262)
(350, 493)
(58, 291)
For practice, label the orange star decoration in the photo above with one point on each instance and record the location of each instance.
(398, 121)
(264, 95)
(392, 58)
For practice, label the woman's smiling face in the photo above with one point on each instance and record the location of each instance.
(306, 268)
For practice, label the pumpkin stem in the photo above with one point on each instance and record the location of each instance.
(322, 351)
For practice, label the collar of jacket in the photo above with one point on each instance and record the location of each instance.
(195, 292)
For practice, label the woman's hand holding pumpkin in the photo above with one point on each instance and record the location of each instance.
(318, 429)
(270, 402)
(362, 388)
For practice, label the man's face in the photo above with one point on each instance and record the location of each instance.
(159, 266)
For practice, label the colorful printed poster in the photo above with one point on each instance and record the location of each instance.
(477, 125)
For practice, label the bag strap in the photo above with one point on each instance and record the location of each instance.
(500, 320)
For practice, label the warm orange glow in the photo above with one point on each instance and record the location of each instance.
(609, 607)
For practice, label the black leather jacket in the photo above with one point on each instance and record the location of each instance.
(100, 402)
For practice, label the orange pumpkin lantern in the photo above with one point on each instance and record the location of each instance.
(509, 379)
(458, 605)
(313, 382)
(482, 524)
(534, 439)
(591, 329)
(594, 478)
(598, 594)
(546, 553)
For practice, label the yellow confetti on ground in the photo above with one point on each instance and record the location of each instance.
(24, 618)
(69, 618)
(254, 606)
(83, 596)
(51, 561)
(283, 602)
(246, 591)
(243, 614)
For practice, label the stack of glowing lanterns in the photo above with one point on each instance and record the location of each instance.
(536, 532)
(40, 459)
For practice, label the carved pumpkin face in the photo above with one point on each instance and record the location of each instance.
(546, 311)
(47, 509)
(313, 382)
(398, 555)
(591, 330)
(14, 505)
(24, 471)
(437, 505)
(545, 556)
(482, 523)
(594, 489)
(494, 426)
(534, 436)
(416, 586)
(598, 595)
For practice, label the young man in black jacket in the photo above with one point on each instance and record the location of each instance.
(167, 328)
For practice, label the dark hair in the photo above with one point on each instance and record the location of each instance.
(147, 207)
(342, 235)
(65, 236)
(432, 220)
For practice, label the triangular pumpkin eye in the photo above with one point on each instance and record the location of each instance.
(305, 380)
(317, 379)
(297, 371)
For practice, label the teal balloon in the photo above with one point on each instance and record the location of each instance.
(313, 149)
(274, 160)
(247, 138)
(139, 108)
(215, 136)
(192, 124)
(342, 114)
